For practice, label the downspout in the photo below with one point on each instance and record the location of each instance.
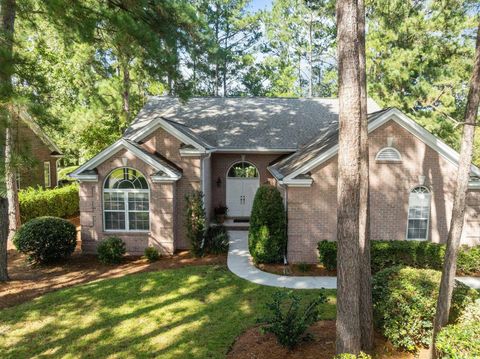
(285, 204)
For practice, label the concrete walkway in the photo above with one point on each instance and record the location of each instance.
(240, 263)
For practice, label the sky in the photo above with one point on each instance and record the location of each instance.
(260, 4)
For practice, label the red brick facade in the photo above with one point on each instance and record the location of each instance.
(30, 145)
(311, 210)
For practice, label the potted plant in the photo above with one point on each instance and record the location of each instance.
(220, 213)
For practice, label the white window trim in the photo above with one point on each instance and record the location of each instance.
(49, 185)
(125, 191)
(399, 159)
(428, 219)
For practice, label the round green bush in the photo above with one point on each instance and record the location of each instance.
(327, 254)
(111, 250)
(404, 302)
(46, 239)
(267, 238)
(151, 253)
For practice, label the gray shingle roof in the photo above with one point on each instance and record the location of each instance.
(245, 122)
(323, 141)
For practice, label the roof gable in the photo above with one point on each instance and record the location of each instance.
(37, 130)
(322, 149)
(165, 170)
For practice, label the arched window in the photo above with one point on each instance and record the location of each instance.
(388, 154)
(126, 201)
(418, 213)
(243, 170)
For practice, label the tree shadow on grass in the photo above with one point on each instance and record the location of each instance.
(193, 312)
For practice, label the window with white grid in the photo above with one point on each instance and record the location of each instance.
(126, 202)
(418, 213)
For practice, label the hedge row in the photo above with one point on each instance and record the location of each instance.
(418, 254)
(404, 302)
(57, 202)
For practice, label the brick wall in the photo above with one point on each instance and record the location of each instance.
(162, 218)
(221, 163)
(312, 211)
(30, 145)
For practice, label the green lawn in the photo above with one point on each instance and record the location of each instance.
(193, 312)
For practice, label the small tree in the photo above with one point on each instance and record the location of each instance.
(267, 238)
(195, 221)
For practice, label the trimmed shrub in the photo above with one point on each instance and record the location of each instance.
(304, 267)
(404, 301)
(288, 320)
(46, 239)
(151, 253)
(418, 254)
(58, 202)
(267, 238)
(461, 340)
(111, 250)
(327, 252)
(216, 240)
(195, 221)
(468, 261)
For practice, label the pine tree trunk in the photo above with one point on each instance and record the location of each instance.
(126, 94)
(225, 59)
(365, 306)
(310, 60)
(11, 183)
(7, 26)
(447, 282)
(348, 190)
(216, 54)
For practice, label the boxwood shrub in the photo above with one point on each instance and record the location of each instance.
(418, 254)
(267, 237)
(58, 202)
(404, 302)
(111, 250)
(46, 239)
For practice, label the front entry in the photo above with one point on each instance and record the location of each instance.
(242, 183)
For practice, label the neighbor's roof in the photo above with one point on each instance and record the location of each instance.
(30, 122)
(323, 141)
(243, 122)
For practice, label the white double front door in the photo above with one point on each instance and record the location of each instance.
(240, 194)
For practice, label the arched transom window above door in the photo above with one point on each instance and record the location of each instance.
(126, 203)
(242, 170)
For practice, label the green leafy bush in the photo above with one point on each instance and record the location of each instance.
(304, 267)
(267, 236)
(461, 340)
(468, 261)
(404, 300)
(195, 221)
(216, 240)
(327, 252)
(288, 320)
(418, 254)
(362, 355)
(58, 202)
(111, 250)
(151, 253)
(46, 239)
(62, 174)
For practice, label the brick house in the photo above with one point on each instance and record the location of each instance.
(227, 147)
(33, 143)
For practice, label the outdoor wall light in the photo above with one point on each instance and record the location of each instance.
(219, 182)
(421, 180)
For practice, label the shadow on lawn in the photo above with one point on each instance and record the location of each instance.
(193, 312)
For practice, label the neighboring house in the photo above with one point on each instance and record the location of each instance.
(33, 143)
(227, 147)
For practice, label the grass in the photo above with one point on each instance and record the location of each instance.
(193, 312)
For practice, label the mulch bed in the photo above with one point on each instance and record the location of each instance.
(296, 270)
(28, 282)
(254, 345)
